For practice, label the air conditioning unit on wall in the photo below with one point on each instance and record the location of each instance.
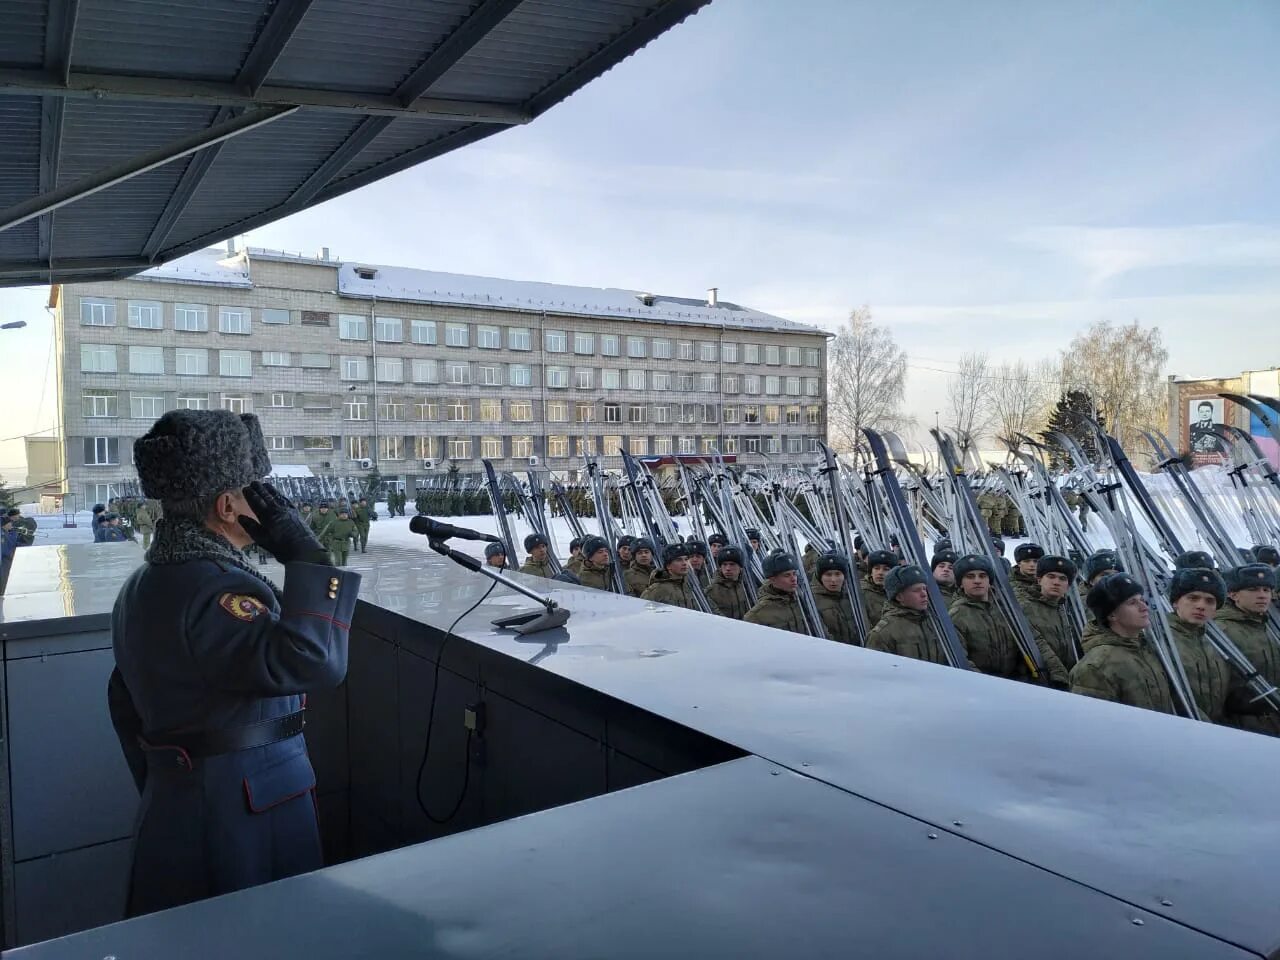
(365, 464)
(534, 461)
(428, 464)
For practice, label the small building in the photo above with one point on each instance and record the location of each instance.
(1197, 407)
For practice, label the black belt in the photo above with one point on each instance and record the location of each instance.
(210, 743)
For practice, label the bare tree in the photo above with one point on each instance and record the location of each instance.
(1022, 396)
(969, 400)
(866, 380)
(1122, 369)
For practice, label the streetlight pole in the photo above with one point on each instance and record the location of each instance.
(13, 325)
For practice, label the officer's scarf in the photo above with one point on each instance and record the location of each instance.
(180, 540)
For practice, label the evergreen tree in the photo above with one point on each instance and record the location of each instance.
(6, 496)
(1066, 419)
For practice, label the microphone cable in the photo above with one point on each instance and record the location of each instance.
(431, 719)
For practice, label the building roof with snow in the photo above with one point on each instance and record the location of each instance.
(213, 266)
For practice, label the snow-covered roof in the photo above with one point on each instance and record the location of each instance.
(429, 286)
(212, 265)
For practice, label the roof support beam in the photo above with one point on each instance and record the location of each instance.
(272, 39)
(27, 82)
(350, 148)
(87, 186)
(59, 37)
(11, 270)
(52, 111)
(185, 189)
(454, 47)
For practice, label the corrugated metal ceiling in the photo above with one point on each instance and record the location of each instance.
(109, 109)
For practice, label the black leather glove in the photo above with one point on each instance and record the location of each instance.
(280, 529)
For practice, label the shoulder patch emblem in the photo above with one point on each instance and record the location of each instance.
(242, 606)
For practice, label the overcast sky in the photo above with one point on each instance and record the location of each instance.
(991, 176)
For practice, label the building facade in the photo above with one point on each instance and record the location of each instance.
(1196, 409)
(350, 366)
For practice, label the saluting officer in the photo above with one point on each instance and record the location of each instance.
(213, 664)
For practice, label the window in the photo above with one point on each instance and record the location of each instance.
(729, 352)
(811, 386)
(707, 352)
(97, 313)
(97, 358)
(751, 353)
(586, 446)
(773, 386)
(389, 370)
(391, 410)
(584, 378)
(793, 360)
(707, 383)
(354, 368)
(636, 414)
(772, 444)
(812, 356)
(686, 350)
(520, 374)
(584, 343)
(315, 318)
(520, 411)
(317, 443)
(557, 446)
(557, 411)
(491, 411)
(357, 448)
(388, 329)
(612, 413)
(145, 315)
(751, 413)
(609, 344)
(685, 381)
(147, 407)
(457, 335)
(192, 403)
(751, 383)
(730, 445)
(638, 445)
(635, 347)
(100, 403)
(274, 358)
(426, 411)
(688, 413)
(422, 331)
(610, 445)
(585, 412)
(558, 377)
(710, 413)
(491, 448)
(235, 363)
(811, 416)
(314, 361)
(489, 338)
(793, 416)
(795, 444)
(190, 317)
(234, 404)
(793, 386)
(281, 316)
(661, 381)
(278, 443)
(813, 444)
(554, 341)
(729, 384)
(519, 338)
(490, 374)
(662, 349)
(282, 400)
(457, 372)
(611, 379)
(233, 319)
(751, 444)
(635, 379)
(146, 360)
(708, 444)
(352, 326)
(101, 451)
(661, 445)
(459, 448)
(391, 448)
(687, 445)
(772, 354)
(662, 414)
(424, 448)
(316, 401)
(459, 411)
(521, 447)
(731, 414)
(772, 414)
(424, 371)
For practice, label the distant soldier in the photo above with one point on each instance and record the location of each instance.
(1265, 553)
(727, 593)
(1046, 611)
(1023, 576)
(987, 507)
(944, 575)
(640, 571)
(834, 606)
(698, 563)
(537, 564)
(1196, 594)
(145, 524)
(575, 556)
(1250, 591)
(495, 555)
(810, 560)
(668, 584)
(879, 563)
(1099, 564)
(753, 538)
(905, 629)
(595, 569)
(342, 531)
(624, 551)
(776, 603)
(715, 542)
(321, 520)
(1119, 663)
(361, 518)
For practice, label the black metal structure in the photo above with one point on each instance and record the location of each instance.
(183, 123)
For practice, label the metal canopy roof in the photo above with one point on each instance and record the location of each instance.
(136, 131)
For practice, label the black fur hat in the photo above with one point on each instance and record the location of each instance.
(191, 455)
(1054, 564)
(1192, 579)
(1249, 576)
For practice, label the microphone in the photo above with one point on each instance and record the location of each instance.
(444, 531)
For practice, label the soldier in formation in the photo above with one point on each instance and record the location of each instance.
(1023, 575)
(495, 555)
(1250, 592)
(830, 570)
(1046, 610)
(906, 629)
(698, 563)
(668, 584)
(944, 574)
(727, 593)
(574, 563)
(537, 563)
(362, 516)
(340, 533)
(874, 598)
(639, 572)
(595, 570)
(776, 604)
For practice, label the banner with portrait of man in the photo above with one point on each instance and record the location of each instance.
(1204, 415)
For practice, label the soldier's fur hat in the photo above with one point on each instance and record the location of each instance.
(1052, 564)
(192, 455)
(641, 543)
(494, 550)
(534, 540)
(1267, 554)
(719, 538)
(575, 544)
(731, 554)
(1193, 559)
(1193, 579)
(1109, 592)
(943, 556)
(593, 545)
(971, 562)
(1027, 551)
(1249, 576)
(1099, 561)
(900, 577)
(881, 558)
(832, 560)
(779, 562)
(673, 552)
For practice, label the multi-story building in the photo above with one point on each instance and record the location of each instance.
(350, 365)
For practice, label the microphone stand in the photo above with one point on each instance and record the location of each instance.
(552, 615)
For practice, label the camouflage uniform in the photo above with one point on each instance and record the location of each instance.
(1209, 676)
(535, 569)
(810, 560)
(574, 563)
(986, 506)
(596, 577)
(874, 600)
(637, 577)
(145, 524)
(338, 539)
(837, 614)
(1049, 620)
(1025, 588)
(1248, 631)
(361, 518)
(1123, 670)
(777, 608)
(907, 633)
(992, 645)
(665, 588)
(728, 597)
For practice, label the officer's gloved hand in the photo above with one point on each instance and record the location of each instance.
(280, 529)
